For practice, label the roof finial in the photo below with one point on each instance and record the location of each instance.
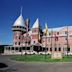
(21, 10)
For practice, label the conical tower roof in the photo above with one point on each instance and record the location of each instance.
(36, 24)
(19, 21)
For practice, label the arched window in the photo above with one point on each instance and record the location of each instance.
(19, 43)
(15, 43)
(34, 41)
(12, 48)
(19, 37)
(47, 49)
(29, 42)
(16, 48)
(50, 49)
(68, 49)
(59, 49)
(55, 49)
(57, 33)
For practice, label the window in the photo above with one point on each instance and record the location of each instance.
(20, 27)
(57, 33)
(19, 43)
(17, 26)
(28, 48)
(23, 48)
(55, 49)
(19, 37)
(12, 48)
(68, 49)
(25, 42)
(16, 48)
(29, 42)
(49, 33)
(65, 32)
(50, 49)
(47, 49)
(56, 38)
(34, 41)
(15, 43)
(20, 49)
(59, 49)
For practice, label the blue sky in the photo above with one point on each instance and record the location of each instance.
(56, 12)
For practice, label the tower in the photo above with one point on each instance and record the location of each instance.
(18, 29)
(36, 32)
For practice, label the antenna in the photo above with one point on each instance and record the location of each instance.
(21, 10)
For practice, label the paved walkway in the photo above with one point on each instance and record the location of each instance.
(36, 67)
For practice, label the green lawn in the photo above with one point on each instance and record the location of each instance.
(40, 58)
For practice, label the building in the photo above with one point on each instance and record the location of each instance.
(35, 39)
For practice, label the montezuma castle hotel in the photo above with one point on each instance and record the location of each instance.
(38, 40)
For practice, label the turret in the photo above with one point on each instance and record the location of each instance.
(36, 32)
(18, 29)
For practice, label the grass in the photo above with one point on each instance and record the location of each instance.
(40, 58)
